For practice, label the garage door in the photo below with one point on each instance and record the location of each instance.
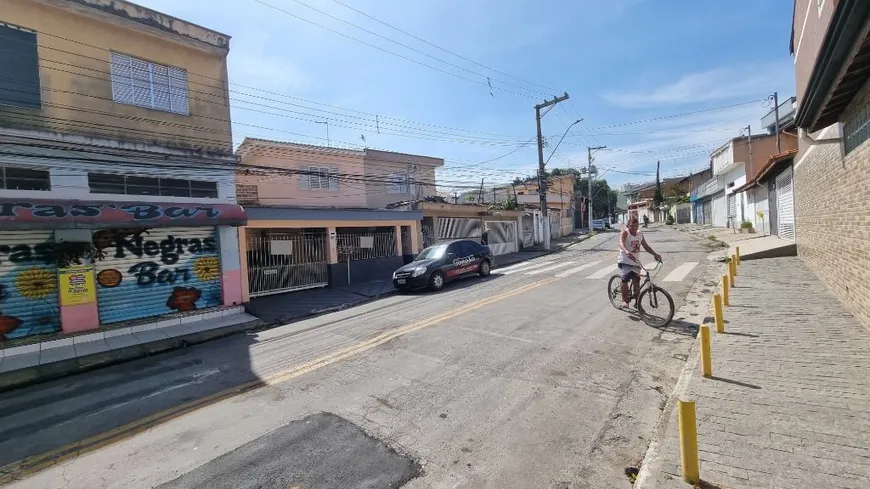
(502, 237)
(785, 204)
(158, 271)
(28, 284)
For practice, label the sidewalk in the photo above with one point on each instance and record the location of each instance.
(752, 246)
(788, 405)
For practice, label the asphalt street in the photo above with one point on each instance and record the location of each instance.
(529, 378)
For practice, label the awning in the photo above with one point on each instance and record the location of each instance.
(74, 214)
(770, 169)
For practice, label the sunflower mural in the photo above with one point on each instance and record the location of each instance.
(206, 268)
(36, 283)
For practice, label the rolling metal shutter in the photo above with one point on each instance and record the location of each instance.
(28, 284)
(785, 204)
(158, 271)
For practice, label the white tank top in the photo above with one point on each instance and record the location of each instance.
(633, 244)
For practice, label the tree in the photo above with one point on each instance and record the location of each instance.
(659, 197)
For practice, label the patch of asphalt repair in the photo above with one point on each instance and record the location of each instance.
(321, 451)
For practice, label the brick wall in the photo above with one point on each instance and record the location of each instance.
(832, 213)
(247, 194)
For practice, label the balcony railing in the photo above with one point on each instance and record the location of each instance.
(786, 114)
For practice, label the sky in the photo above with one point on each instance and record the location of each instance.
(653, 80)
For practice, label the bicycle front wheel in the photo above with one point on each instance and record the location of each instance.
(656, 306)
(614, 291)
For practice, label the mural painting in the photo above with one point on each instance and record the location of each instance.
(143, 273)
(28, 285)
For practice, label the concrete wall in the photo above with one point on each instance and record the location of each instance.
(75, 76)
(832, 220)
(808, 31)
(282, 189)
(382, 165)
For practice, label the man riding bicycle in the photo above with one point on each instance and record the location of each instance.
(630, 242)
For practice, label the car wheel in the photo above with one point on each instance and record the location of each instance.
(485, 268)
(436, 281)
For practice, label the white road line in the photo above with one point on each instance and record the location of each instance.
(568, 273)
(681, 271)
(522, 267)
(603, 272)
(550, 269)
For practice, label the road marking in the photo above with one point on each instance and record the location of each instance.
(524, 267)
(681, 271)
(603, 272)
(497, 335)
(550, 269)
(31, 465)
(568, 273)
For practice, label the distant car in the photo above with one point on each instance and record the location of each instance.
(442, 263)
(598, 225)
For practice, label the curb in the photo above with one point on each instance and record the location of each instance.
(37, 374)
(649, 463)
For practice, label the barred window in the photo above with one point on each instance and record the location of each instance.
(857, 129)
(25, 178)
(150, 85)
(109, 183)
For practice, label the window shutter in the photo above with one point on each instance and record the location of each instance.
(333, 181)
(141, 82)
(178, 90)
(122, 79)
(160, 85)
(313, 178)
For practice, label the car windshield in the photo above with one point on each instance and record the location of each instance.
(432, 252)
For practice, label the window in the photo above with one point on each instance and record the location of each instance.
(321, 178)
(150, 85)
(400, 184)
(107, 183)
(19, 84)
(856, 130)
(25, 179)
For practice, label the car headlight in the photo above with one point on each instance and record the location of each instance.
(395, 274)
(419, 271)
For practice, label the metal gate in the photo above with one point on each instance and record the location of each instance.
(502, 237)
(28, 284)
(145, 273)
(285, 262)
(771, 207)
(732, 211)
(785, 204)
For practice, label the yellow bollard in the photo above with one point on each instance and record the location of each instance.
(717, 313)
(725, 286)
(688, 441)
(734, 259)
(732, 271)
(706, 359)
(737, 254)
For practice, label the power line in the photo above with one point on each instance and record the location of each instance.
(393, 52)
(443, 49)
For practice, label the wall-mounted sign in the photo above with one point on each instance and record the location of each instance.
(43, 214)
(76, 286)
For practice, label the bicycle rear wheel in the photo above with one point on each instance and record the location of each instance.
(614, 291)
(656, 306)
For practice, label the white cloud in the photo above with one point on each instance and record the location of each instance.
(723, 83)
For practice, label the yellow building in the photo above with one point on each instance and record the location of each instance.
(117, 148)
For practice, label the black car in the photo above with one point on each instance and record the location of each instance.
(442, 263)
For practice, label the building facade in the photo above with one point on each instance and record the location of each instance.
(118, 198)
(318, 216)
(830, 43)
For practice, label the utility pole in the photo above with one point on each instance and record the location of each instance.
(589, 151)
(542, 174)
(776, 122)
(480, 192)
(455, 197)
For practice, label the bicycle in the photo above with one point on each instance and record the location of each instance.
(647, 299)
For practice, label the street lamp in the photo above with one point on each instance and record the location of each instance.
(327, 130)
(578, 121)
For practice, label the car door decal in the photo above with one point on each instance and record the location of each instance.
(462, 266)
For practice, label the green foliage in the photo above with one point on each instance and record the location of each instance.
(670, 220)
(746, 225)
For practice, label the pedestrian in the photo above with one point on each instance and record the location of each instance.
(484, 238)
